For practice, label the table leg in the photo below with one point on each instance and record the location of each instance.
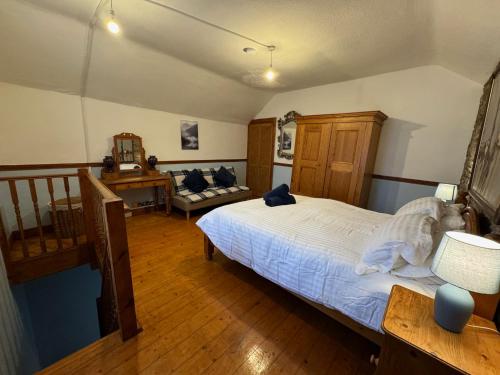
(168, 201)
(157, 198)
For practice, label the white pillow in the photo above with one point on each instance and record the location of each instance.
(431, 206)
(399, 239)
(452, 218)
(415, 272)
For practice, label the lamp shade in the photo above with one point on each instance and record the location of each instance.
(469, 262)
(446, 192)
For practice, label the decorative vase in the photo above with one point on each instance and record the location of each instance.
(108, 163)
(152, 161)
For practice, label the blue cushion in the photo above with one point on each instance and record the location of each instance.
(224, 178)
(195, 181)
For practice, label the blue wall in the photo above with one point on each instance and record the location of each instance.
(61, 311)
(388, 196)
(281, 175)
(385, 196)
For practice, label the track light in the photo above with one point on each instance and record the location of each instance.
(270, 74)
(111, 24)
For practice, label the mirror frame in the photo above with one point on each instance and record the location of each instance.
(116, 154)
(289, 117)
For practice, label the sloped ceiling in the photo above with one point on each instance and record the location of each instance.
(166, 61)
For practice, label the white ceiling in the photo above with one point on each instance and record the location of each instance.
(166, 61)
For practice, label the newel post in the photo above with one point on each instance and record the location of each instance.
(89, 218)
(120, 268)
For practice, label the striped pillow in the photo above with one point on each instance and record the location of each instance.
(430, 206)
(400, 240)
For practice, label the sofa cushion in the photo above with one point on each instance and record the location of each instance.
(224, 178)
(208, 174)
(195, 181)
(178, 177)
(210, 193)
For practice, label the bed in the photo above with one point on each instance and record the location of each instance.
(293, 246)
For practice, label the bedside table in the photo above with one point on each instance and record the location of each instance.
(415, 344)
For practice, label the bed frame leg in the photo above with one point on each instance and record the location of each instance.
(188, 215)
(208, 247)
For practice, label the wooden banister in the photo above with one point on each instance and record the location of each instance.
(37, 177)
(27, 258)
(70, 211)
(120, 270)
(89, 214)
(4, 244)
(34, 199)
(15, 202)
(106, 231)
(53, 213)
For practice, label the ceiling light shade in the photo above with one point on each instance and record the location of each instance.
(111, 24)
(270, 74)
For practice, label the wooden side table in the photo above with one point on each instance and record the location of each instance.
(415, 344)
(139, 182)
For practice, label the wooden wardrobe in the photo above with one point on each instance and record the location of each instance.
(335, 154)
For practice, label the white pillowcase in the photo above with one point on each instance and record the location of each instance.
(415, 272)
(431, 206)
(452, 218)
(401, 239)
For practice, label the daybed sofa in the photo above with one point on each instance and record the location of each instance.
(214, 195)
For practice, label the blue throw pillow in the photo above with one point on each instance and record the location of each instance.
(195, 181)
(224, 178)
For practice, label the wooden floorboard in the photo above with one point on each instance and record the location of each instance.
(214, 317)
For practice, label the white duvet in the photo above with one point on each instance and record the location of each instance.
(310, 248)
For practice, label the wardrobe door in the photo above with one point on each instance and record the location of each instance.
(310, 158)
(260, 155)
(343, 172)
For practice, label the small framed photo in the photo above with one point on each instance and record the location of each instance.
(189, 135)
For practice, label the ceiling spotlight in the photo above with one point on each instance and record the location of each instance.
(111, 23)
(249, 50)
(270, 74)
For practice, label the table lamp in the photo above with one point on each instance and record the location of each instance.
(467, 263)
(446, 192)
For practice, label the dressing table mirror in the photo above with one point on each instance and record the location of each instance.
(287, 127)
(129, 154)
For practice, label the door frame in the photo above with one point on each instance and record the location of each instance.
(260, 121)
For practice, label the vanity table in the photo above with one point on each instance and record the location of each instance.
(139, 182)
(128, 168)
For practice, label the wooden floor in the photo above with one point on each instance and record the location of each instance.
(214, 317)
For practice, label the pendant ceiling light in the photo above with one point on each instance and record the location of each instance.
(111, 24)
(270, 74)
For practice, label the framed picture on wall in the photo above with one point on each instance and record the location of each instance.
(486, 175)
(189, 135)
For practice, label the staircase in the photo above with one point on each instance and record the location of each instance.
(93, 231)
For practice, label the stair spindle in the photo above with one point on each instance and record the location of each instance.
(70, 209)
(15, 201)
(34, 199)
(53, 213)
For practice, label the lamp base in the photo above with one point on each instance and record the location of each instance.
(453, 307)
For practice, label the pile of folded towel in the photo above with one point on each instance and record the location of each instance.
(279, 196)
